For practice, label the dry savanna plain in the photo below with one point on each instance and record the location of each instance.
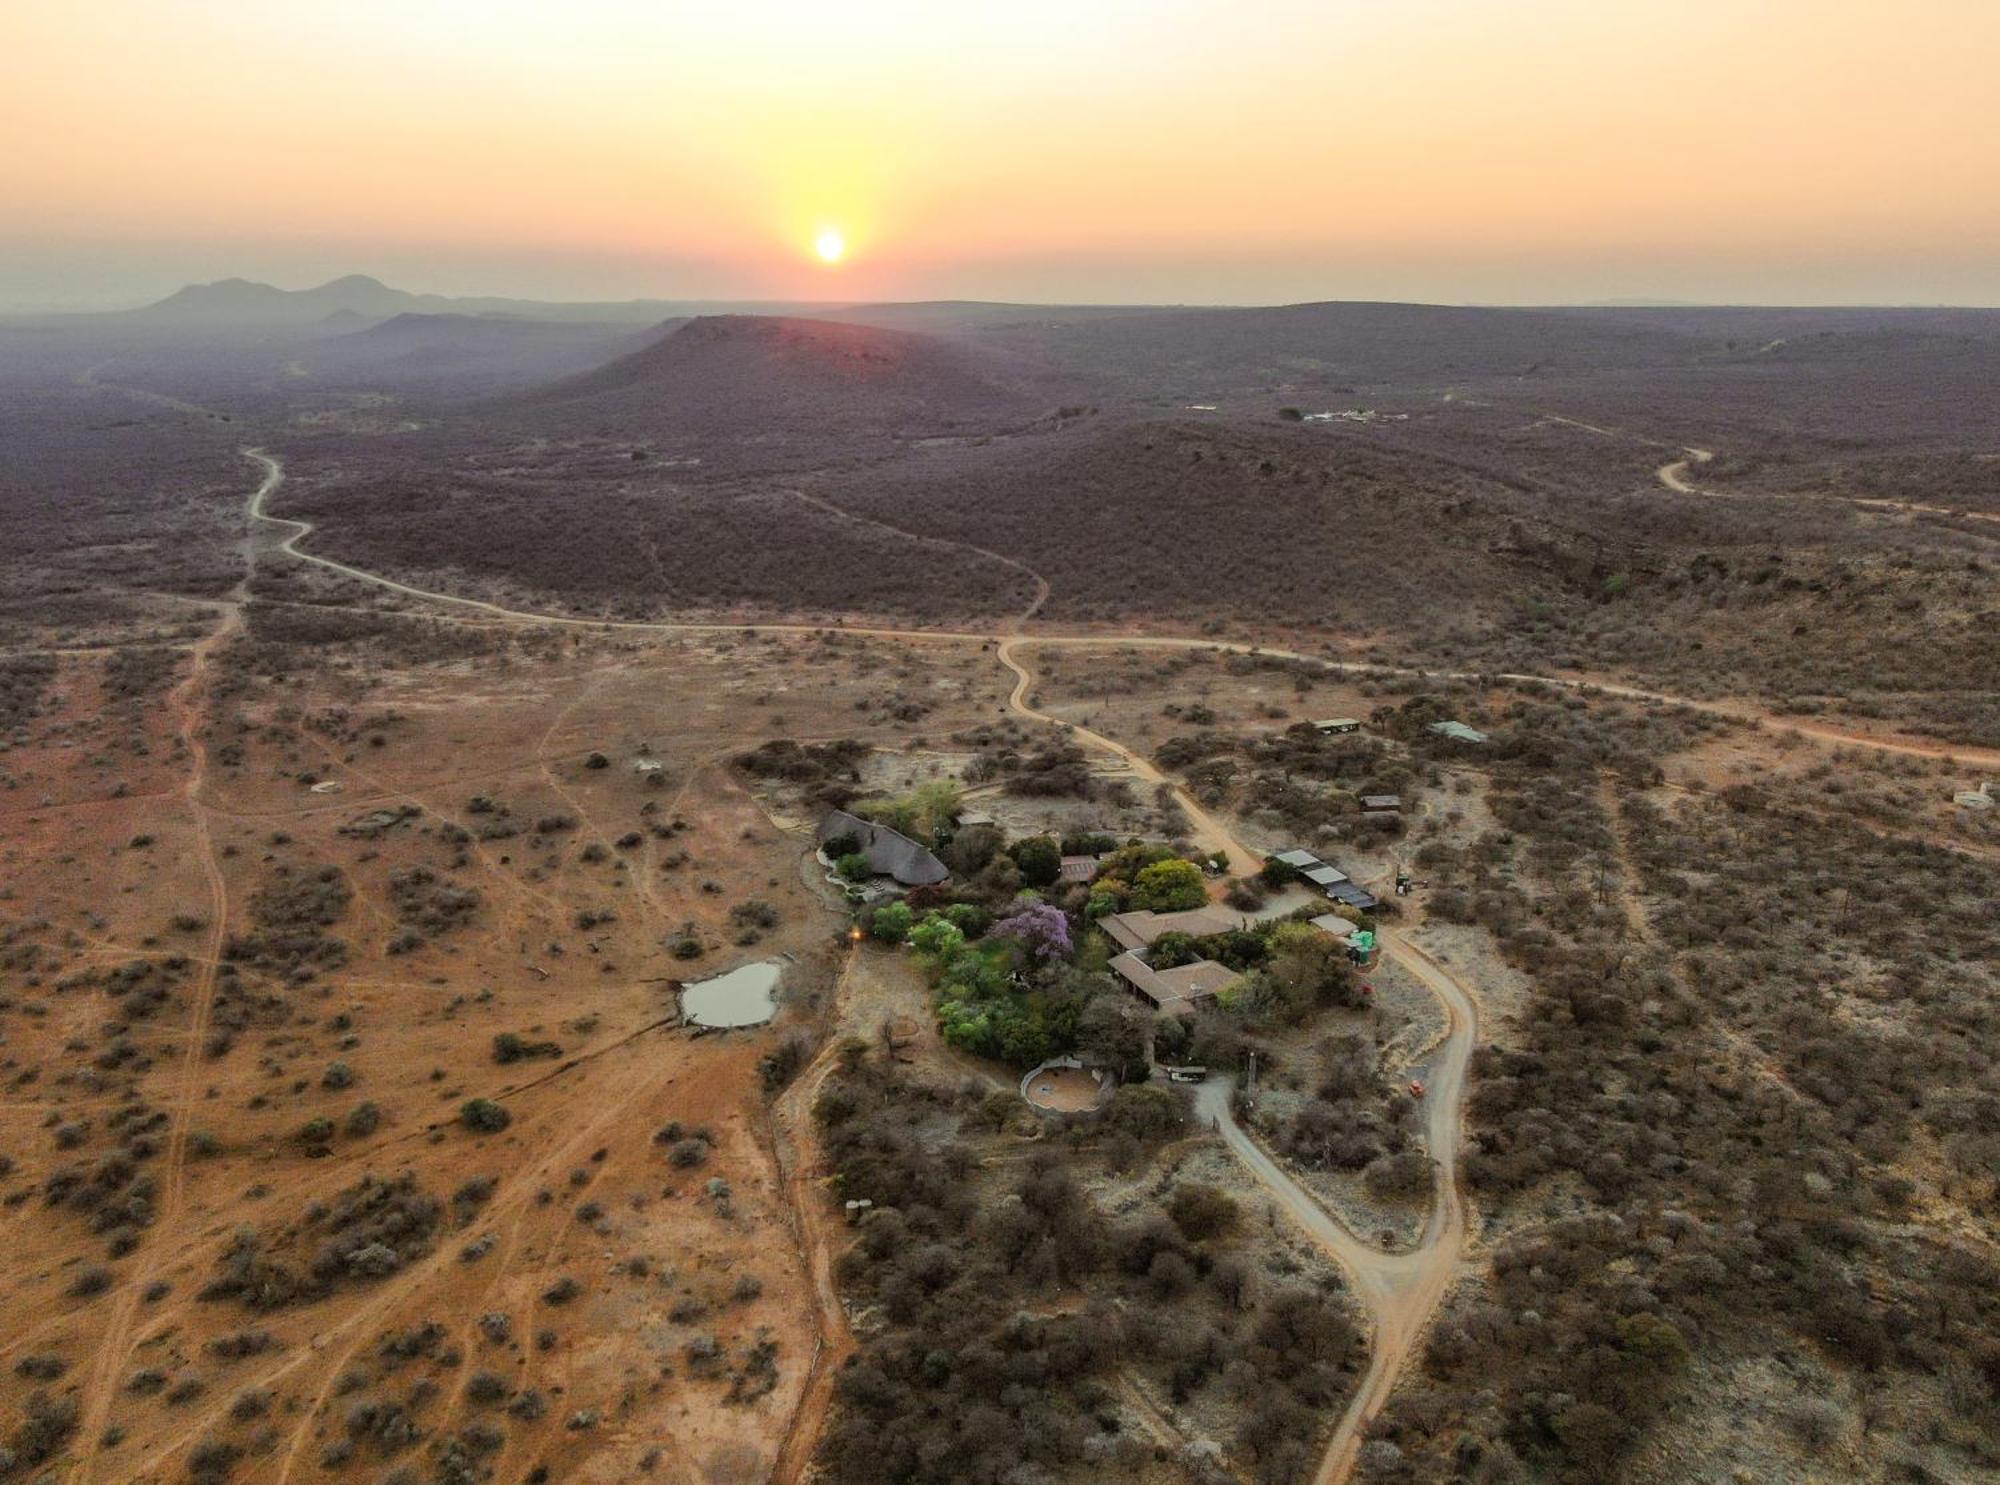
(400, 724)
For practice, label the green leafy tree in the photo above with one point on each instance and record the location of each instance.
(1125, 863)
(1169, 887)
(969, 918)
(1040, 860)
(1307, 970)
(938, 937)
(854, 867)
(891, 923)
(1276, 873)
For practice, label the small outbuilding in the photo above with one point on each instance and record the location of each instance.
(1077, 869)
(1332, 881)
(1336, 725)
(1332, 923)
(1381, 804)
(1458, 732)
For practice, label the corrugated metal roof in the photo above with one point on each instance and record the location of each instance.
(1353, 896)
(1459, 731)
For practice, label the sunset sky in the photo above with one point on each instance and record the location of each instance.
(1501, 151)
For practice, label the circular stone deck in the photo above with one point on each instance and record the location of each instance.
(1063, 1090)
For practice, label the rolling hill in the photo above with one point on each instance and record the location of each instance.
(466, 355)
(771, 378)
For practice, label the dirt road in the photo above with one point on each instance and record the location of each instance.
(1009, 636)
(802, 1168)
(1399, 1291)
(1207, 833)
(188, 701)
(1674, 477)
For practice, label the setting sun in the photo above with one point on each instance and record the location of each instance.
(830, 245)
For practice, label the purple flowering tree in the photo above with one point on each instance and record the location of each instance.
(1041, 929)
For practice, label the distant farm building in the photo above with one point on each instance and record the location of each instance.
(890, 853)
(1338, 724)
(1381, 804)
(1976, 799)
(974, 817)
(1458, 732)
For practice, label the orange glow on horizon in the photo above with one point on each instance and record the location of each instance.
(1524, 150)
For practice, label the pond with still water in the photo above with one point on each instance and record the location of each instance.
(745, 996)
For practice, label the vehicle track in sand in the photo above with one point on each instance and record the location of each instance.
(187, 701)
(801, 1163)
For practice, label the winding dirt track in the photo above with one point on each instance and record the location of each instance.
(1400, 1291)
(1674, 477)
(1010, 635)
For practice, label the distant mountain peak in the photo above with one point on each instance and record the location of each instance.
(244, 301)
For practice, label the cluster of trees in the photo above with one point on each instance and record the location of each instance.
(829, 774)
(24, 681)
(1353, 1121)
(369, 1231)
(1287, 520)
(1746, 1155)
(427, 905)
(1145, 877)
(928, 813)
(283, 639)
(1302, 781)
(289, 914)
(969, 1377)
(1014, 996)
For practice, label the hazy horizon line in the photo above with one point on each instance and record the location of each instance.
(92, 306)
